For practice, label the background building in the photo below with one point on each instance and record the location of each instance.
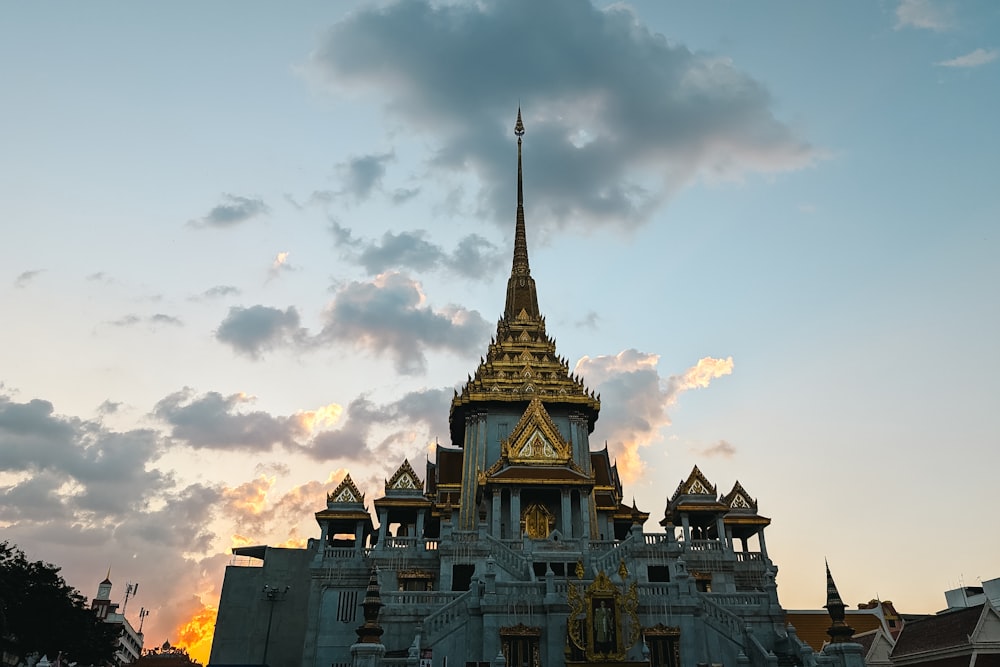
(129, 640)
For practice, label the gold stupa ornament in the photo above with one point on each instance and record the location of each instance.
(521, 362)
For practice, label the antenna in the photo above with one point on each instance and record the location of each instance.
(143, 613)
(130, 590)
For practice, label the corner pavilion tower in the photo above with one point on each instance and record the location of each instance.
(515, 545)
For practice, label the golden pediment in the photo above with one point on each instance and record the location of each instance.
(404, 479)
(346, 492)
(536, 439)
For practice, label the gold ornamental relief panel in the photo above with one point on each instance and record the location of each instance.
(537, 522)
(603, 622)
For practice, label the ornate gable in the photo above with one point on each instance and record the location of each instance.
(404, 479)
(536, 439)
(346, 492)
(695, 485)
(738, 499)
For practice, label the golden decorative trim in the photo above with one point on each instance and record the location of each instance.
(346, 492)
(404, 479)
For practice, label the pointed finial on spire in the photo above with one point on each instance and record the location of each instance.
(520, 287)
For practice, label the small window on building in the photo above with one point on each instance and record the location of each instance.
(658, 574)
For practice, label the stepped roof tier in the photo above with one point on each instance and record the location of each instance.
(521, 363)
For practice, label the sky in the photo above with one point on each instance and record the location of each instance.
(247, 249)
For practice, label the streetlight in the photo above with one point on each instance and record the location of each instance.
(272, 595)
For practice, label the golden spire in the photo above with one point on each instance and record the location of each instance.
(521, 293)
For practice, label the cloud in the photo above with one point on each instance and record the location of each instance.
(363, 432)
(924, 15)
(85, 467)
(722, 449)
(397, 422)
(100, 277)
(214, 421)
(132, 320)
(126, 321)
(257, 329)
(618, 117)
(161, 318)
(388, 316)
(637, 399)
(279, 265)
(231, 212)
(976, 58)
(26, 277)
(473, 257)
(362, 174)
(220, 291)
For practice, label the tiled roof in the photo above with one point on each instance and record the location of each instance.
(948, 630)
(811, 626)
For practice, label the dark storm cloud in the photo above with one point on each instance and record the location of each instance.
(257, 329)
(25, 277)
(387, 316)
(473, 257)
(232, 211)
(214, 421)
(618, 117)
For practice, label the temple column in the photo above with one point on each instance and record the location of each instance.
(686, 526)
(515, 513)
(720, 529)
(359, 539)
(567, 514)
(585, 513)
(763, 547)
(383, 527)
(419, 533)
(495, 519)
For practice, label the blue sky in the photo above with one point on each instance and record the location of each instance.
(247, 249)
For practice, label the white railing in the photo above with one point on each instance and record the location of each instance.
(728, 623)
(746, 556)
(653, 539)
(508, 559)
(704, 545)
(339, 552)
(448, 618)
(744, 600)
(413, 598)
(431, 544)
(400, 542)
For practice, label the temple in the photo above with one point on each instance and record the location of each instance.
(514, 545)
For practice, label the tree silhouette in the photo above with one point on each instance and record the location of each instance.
(40, 612)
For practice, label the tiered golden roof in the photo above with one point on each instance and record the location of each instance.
(521, 363)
